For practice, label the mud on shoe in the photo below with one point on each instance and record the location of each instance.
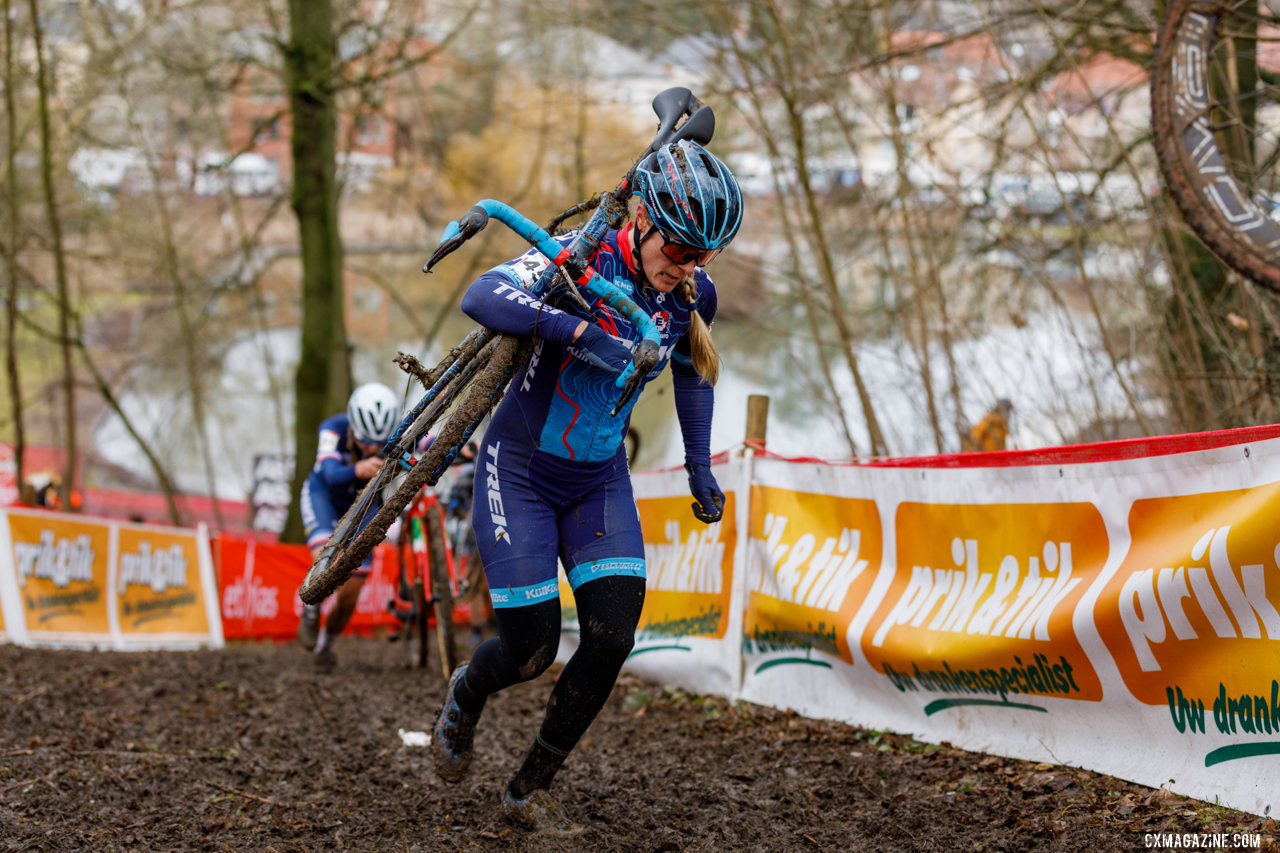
(453, 736)
(309, 627)
(538, 811)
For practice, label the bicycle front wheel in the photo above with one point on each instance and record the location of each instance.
(1210, 103)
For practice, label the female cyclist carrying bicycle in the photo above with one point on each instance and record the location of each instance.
(552, 480)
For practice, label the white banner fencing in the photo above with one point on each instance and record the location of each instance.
(1077, 606)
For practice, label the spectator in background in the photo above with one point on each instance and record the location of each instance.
(992, 431)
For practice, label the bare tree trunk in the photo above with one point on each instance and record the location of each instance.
(324, 375)
(43, 85)
(11, 252)
(908, 236)
(806, 295)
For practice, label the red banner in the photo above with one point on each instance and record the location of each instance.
(259, 585)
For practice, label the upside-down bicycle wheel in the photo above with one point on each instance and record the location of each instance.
(1211, 92)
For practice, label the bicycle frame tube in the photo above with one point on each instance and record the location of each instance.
(586, 277)
(476, 340)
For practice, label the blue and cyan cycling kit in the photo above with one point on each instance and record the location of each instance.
(332, 486)
(551, 476)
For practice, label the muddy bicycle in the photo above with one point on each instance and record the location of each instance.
(439, 571)
(472, 379)
(1215, 94)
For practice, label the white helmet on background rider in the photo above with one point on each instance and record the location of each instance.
(374, 413)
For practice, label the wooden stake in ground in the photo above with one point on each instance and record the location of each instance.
(757, 421)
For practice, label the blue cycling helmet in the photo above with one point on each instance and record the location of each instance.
(690, 195)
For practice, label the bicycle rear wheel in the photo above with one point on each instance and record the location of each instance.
(1211, 100)
(484, 393)
(408, 589)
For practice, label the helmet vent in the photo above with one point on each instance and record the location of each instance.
(696, 207)
(669, 205)
(718, 224)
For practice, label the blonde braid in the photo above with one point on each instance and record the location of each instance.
(706, 361)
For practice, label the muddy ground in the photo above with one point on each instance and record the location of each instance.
(250, 749)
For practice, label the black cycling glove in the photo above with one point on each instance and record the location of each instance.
(709, 506)
(602, 349)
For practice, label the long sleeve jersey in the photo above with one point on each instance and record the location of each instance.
(335, 469)
(563, 401)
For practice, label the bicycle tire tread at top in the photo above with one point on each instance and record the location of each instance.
(1217, 206)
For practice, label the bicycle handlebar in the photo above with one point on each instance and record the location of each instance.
(643, 357)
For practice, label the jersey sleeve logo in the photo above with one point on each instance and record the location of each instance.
(328, 442)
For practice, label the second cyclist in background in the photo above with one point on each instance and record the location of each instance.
(348, 455)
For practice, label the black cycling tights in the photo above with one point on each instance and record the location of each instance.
(608, 611)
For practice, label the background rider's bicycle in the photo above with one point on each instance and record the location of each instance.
(439, 578)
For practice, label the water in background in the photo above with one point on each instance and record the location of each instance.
(1059, 384)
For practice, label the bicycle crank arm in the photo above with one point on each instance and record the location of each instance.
(642, 361)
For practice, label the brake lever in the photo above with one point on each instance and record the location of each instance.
(643, 359)
(456, 233)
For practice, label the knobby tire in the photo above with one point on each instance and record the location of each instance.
(1213, 202)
